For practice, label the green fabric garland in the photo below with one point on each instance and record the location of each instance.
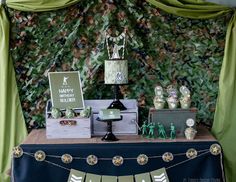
(12, 126)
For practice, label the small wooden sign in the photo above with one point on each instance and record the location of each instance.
(66, 90)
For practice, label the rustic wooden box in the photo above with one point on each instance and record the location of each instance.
(56, 128)
(176, 116)
(127, 126)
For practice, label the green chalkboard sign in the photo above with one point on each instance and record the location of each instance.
(66, 90)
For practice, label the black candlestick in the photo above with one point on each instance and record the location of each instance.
(117, 104)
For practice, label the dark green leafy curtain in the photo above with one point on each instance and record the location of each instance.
(161, 49)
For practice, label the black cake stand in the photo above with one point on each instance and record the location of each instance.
(109, 136)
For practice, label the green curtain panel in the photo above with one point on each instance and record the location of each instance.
(196, 9)
(39, 5)
(12, 125)
(224, 125)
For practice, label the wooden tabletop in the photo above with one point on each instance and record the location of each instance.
(38, 136)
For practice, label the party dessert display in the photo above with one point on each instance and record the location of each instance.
(172, 99)
(173, 116)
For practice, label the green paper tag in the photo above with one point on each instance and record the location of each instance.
(92, 178)
(106, 114)
(76, 176)
(66, 90)
(109, 178)
(143, 177)
(126, 179)
(159, 175)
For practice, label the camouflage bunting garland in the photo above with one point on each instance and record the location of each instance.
(142, 159)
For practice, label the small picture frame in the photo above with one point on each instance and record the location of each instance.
(66, 90)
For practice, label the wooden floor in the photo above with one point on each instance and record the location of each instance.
(39, 137)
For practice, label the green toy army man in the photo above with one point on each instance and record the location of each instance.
(151, 127)
(144, 128)
(172, 131)
(161, 131)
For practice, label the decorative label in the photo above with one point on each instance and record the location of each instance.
(159, 175)
(144, 177)
(66, 90)
(125, 178)
(142, 159)
(76, 176)
(92, 160)
(92, 178)
(109, 179)
(190, 122)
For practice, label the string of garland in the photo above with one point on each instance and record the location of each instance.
(142, 159)
(117, 160)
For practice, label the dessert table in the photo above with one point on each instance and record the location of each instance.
(204, 167)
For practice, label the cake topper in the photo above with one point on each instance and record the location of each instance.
(116, 47)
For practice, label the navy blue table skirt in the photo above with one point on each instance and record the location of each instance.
(205, 168)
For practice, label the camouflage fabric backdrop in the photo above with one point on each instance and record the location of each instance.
(161, 49)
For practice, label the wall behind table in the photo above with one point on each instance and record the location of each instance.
(161, 49)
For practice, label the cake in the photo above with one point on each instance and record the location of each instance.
(116, 71)
(116, 67)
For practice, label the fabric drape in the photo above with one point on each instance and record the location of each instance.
(195, 9)
(12, 125)
(225, 116)
(39, 5)
(224, 124)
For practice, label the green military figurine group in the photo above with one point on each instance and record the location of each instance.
(154, 130)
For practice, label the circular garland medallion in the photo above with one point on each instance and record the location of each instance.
(39, 155)
(66, 158)
(117, 160)
(191, 153)
(215, 149)
(17, 152)
(167, 157)
(142, 159)
(92, 160)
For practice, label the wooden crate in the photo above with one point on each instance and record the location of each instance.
(90, 126)
(64, 128)
(176, 116)
(82, 129)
